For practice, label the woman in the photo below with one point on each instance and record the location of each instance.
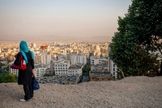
(25, 76)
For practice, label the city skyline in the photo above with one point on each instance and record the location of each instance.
(60, 21)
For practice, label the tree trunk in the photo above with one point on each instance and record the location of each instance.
(122, 73)
(161, 69)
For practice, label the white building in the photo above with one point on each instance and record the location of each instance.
(43, 58)
(96, 60)
(37, 58)
(78, 58)
(14, 71)
(46, 59)
(61, 67)
(75, 69)
(111, 66)
(39, 71)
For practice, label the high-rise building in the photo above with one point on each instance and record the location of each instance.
(44, 57)
(78, 58)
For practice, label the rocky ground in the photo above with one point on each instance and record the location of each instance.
(131, 92)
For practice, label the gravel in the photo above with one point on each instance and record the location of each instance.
(131, 92)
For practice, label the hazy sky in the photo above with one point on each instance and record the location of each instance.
(60, 20)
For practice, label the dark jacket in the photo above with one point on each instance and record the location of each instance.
(25, 76)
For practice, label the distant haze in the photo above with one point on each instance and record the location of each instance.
(60, 20)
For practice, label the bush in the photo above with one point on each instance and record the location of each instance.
(47, 75)
(8, 78)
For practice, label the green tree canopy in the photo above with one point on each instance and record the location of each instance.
(139, 32)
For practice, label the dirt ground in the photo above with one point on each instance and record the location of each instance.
(131, 92)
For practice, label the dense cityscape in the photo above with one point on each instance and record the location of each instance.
(64, 63)
(81, 53)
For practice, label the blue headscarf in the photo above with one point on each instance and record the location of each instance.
(24, 49)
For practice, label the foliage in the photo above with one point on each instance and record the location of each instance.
(47, 75)
(138, 33)
(84, 69)
(145, 22)
(6, 77)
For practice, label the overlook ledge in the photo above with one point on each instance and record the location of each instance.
(131, 92)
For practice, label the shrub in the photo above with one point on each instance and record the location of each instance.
(8, 78)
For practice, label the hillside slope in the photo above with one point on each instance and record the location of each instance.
(131, 92)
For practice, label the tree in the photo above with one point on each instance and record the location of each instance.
(149, 28)
(138, 33)
(145, 18)
(84, 69)
(47, 75)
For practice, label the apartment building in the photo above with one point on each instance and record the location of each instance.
(46, 59)
(43, 57)
(14, 71)
(100, 72)
(111, 66)
(96, 60)
(78, 58)
(39, 71)
(100, 76)
(75, 69)
(61, 67)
